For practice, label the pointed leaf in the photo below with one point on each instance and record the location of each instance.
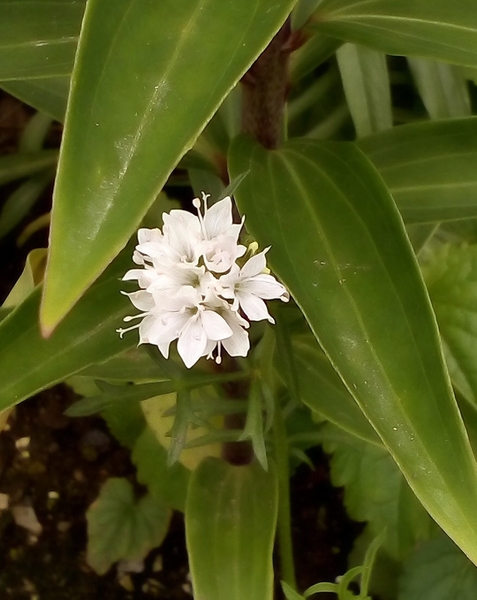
(121, 528)
(429, 168)
(231, 514)
(38, 38)
(437, 30)
(134, 111)
(366, 85)
(339, 245)
(30, 363)
(48, 94)
(443, 88)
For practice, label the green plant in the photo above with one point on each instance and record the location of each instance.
(357, 168)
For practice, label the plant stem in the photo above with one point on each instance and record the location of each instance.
(265, 87)
(280, 444)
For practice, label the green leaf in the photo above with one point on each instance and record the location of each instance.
(443, 88)
(133, 365)
(438, 570)
(169, 483)
(133, 100)
(323, 391)
(311, 55)
(19, 165)
(429, 168)
(290, 593)
(38, 38)
(437, 30)
(19, 202)
(376, 491)
(339, 245)
(451, 277)
(126, 422)
(230, 526)
(121, 528)
(253, 429)
(48, 95)
(365, 78)
(30, 363)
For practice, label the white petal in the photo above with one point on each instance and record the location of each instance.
(192, 343)
(149, 235)
(238, 344)
(165, 328)
(215, 326)
(254, 265)
(264, 286)
(254, 307)
(218, 218)
(142, 300)
(182, 234)
(144, 277)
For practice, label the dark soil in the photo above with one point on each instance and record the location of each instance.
(56, 466)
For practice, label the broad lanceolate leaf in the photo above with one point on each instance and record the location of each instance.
(230, 526)
(451, 277)
(29, 363)
(439, 30)
(366, 85)
(38, 38)
(429, 168)
(339, 245)
(119, 527)
(438, 570)
(134, 111)
(324, 392)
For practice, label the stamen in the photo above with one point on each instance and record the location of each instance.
(132, 317)
(122, 331)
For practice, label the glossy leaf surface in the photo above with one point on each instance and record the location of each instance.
(339, 245)
(230, 527)
(429, 168)
(38, 38)
(322, 390)
(30, 363)
(439, 30)
(134, 111)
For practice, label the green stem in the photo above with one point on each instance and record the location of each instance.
(280, 444)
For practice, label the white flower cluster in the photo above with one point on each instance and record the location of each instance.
(192, 288)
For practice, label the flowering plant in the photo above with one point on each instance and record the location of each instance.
(353, 159)
(192, 287)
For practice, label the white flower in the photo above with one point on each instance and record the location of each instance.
(250, 285)
(191, 288)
